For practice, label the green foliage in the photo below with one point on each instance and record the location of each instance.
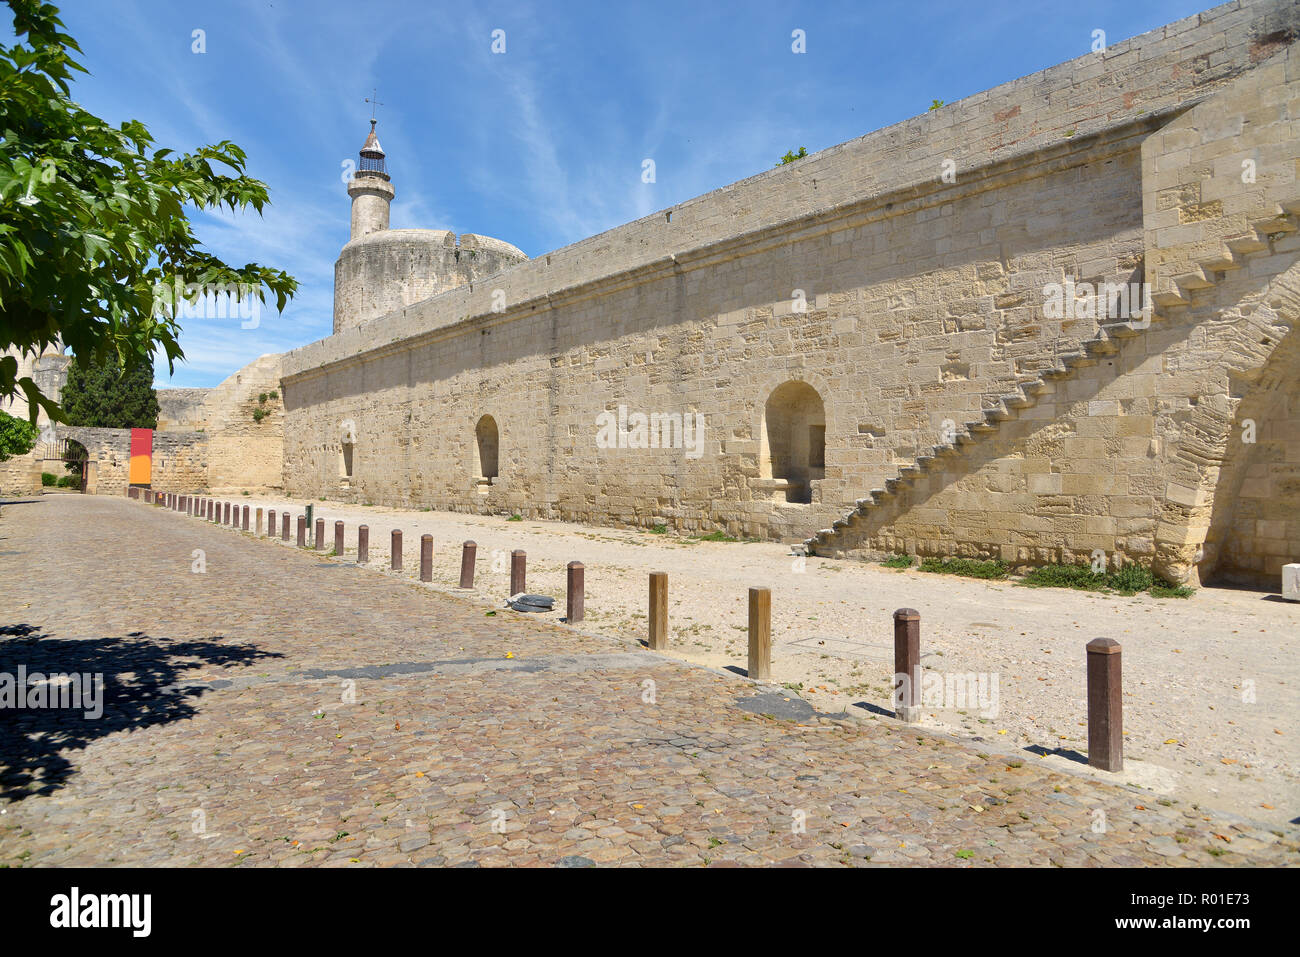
(966, 567)
(262, 399)
(259, 414)
(103, 396)
(718, 536)
(658, 529)
(69, 481)
(92, 220)
(17, 436)
(1080, 577)
(790, 156)
(49, 479)
(1127, 580)
(1131, 579)
(273, 395)
(934, 105)
(515, 518)
(898, 561)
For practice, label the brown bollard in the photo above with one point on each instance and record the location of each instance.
(573, 593)
(258, 522)
(760, 634)
(468, 551)
(226, 520)
(302, 531)
(518, 572)
(208, 516)
(1105, 706)
(271, 525)
(234, 515)
(338, 539)
(363, 544)
(426, 558)
(907, 664)
(319, 541)
(395, 551)
(658, 610)
(284, 526)
(244, 523)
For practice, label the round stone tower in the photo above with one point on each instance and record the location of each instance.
(370, 189)
(381, 270)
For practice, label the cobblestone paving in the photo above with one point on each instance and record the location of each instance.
(230, 737)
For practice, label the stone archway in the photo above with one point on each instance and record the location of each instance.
(792, 441)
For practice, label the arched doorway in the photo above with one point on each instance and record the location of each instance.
(487, 443)
(792, 444)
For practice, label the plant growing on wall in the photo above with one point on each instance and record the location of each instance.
(790, 156)
(17, 436)
(92, 220)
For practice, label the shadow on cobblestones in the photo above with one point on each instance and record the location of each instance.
(143, 683)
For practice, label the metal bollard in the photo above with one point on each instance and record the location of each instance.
(426, 558)
(338, 539)
(658, 610)
(760, 634)
(907, 664)
(467, 553)
(573, 593)
(518, 571)
(395, 550)
(1105, 705)
(363, 544)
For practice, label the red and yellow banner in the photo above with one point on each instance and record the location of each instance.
(141, 472)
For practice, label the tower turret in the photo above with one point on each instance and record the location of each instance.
(370, 189)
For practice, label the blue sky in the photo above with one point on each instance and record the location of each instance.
(543, 145)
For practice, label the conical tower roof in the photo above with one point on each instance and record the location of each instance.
(372, 146)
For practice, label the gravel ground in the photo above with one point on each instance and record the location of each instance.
(1210, 702)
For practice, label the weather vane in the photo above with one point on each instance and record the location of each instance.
(373, 100)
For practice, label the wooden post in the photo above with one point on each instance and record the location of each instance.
(284, 526)
(760, 634)
(1105, 705)
(907, 664)
(338, 539)
(226, 520)
(574, 597)
(319, 541)
(302, 531)
(395, 550)
(257, 514)
(468, 551)
(426, 558)
(658, 610)
(363, 544)
(244, 523)
(518, 572)
(271, 525)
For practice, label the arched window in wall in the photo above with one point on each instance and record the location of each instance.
(792, 446)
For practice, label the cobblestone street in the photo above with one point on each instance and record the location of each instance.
(281, 708)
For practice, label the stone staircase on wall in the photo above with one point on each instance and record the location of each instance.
(1173, 293)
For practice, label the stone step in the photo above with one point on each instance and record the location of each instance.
(1247, 243)
(1274, 225)
(1193, 278)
